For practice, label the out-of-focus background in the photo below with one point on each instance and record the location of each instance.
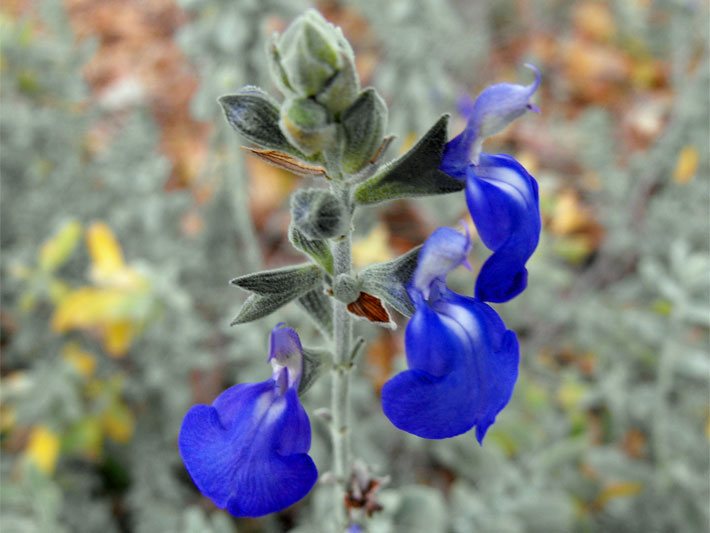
(127, 205)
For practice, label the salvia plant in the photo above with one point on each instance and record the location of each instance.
(249, 451)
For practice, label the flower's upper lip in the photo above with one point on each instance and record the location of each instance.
(445, 250)
(286, 353)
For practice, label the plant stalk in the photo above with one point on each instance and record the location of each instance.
(340, 393)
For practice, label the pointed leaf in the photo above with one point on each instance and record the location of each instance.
(389, 280)
(416, 173)
(318, 250)
(363, 123)
(255, 115)
(314, 360)
(286, 280)
(274, 289)
(320, 308)
(258, 306)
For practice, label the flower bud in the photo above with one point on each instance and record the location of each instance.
(305, 124)
(363, 124)
(255, 115)
(346, 288)
(317, 213)
(313, 59)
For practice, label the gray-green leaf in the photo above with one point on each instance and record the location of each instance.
(364, 125)
(416, 173)
(275, 288)
(389, 280)
(313, 365)
(318, 250)
(320, 308)
(255, 115)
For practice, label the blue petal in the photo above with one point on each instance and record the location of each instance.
(248, 451)
(497, 360)
(504, 204)
(500, 104)
(465, 337)
(285, 351)
(284, 343)
(444, 250)
(495, 108)
(429, 333)
(457, 153)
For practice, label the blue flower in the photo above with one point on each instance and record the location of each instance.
(463, 362)
(495, 108)
(502, 197)
(504, 204)
(248, 451)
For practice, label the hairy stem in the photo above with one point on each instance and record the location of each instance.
(340, 394)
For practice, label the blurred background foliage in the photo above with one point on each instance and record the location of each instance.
(127, 205)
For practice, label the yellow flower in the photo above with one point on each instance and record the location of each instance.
(116, 306)
(43, 449)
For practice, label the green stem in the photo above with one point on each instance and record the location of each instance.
(340, 393)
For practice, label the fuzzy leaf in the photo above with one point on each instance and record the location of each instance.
(306, 124)
(296, 278)
(416, 173)
(275, 288)
(363, 123)
(320, 308)
(258, 306)
(318, 250)
(253, 114)
(313, 365)
(389, 280)
(318, 213)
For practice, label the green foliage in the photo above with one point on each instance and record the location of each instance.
(316, 249)
(253, 114)
(318, 214)
(416, 173)
(364, 123)
(273, 289)
(389, 280)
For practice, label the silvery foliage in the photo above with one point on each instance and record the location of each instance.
(646, 323)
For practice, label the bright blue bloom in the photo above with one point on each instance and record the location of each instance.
(248, 451)
(495, 108)
(504, 204)
(463, 362)
(502, 197)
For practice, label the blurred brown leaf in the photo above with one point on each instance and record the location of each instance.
(138, 60)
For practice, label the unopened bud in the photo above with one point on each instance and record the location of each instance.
(346, 288)
(305, 124)
(364, 124)
(313, 59)
(317, 213)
